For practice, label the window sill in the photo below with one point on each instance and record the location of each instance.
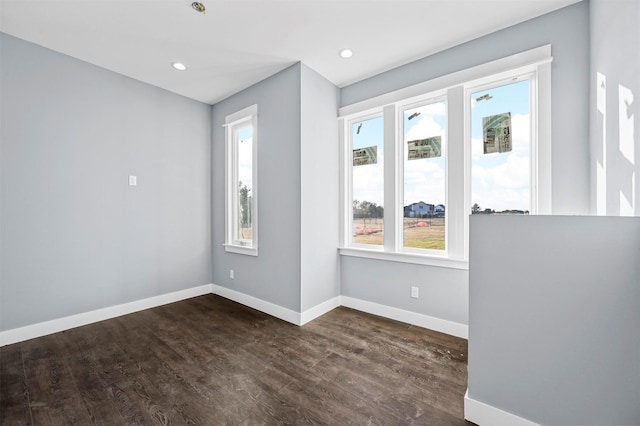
(249, 251)
(418, 259)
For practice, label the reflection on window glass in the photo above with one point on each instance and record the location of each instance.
(424, 209)
(367, 142)
(243, 142)
(501, 150)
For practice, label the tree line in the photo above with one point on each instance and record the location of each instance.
(367, 210)
(476, 209)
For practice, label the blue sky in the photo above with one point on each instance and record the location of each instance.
(424, 179)
(500, 181)
(245, 155)
(368, 180)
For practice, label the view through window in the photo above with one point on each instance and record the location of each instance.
(243, 229)
(367, 141)
(241, 182)
(501, 149)
(418, 161)
(424, 176)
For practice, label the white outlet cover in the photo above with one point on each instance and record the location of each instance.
(415, 292)
(133, 180)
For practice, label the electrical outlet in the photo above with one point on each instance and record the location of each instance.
(231, 273)
(414, 292)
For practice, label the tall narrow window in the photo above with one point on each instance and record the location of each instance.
(501, 148)
(424, 189)
(367, 172)
(241, 214)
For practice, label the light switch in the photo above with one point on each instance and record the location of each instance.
(133, 180)
(415, 292)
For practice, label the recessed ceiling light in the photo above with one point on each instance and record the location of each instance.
(196, 5)
(346, 53)
(179, 66)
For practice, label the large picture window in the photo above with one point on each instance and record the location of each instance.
(419, 161)
(242, 191)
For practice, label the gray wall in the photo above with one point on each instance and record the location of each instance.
(297, 262)
(444, 293)
(320, 211)
(74, 236)
(554, 332)
(615, 47)
(274, 275)
(567, 30)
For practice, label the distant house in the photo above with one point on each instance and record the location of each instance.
(439, 210)
(419, 209)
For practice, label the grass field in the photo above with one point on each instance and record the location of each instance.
(415, 234)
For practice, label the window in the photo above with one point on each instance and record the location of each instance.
(501, 147)
(241, 182)
(367, 181)
(424, 152)
(418, 161)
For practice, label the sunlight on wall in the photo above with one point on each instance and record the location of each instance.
(626, 146)
(616, 169)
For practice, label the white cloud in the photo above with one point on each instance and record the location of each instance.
(502, 181)
(245, 161)
(368, 181)
(426, 127)
(424, 181)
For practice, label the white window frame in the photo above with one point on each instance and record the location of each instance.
(492, 82)
(401, 107)
(349, 206)
(455, 87)
(248, 115)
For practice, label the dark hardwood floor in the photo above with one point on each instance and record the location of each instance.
(210, 361)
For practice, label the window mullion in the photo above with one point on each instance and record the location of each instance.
(346, 207)
(391, 197)
(456, 174)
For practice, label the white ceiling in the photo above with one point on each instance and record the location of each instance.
(240, 42)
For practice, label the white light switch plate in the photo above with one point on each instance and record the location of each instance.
(133, 180)
(415, 292)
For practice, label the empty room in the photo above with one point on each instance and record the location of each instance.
(389, 212)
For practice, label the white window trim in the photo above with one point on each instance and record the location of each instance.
(534, 57)
(349, 158)
(456, 85)
(248, 114)
(528, 73)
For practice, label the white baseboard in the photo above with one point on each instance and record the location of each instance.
(421, 320)
(61, 324)
(484, 414)
(319, 310)
(272, 309)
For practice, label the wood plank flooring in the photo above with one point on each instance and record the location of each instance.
(210, 361)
